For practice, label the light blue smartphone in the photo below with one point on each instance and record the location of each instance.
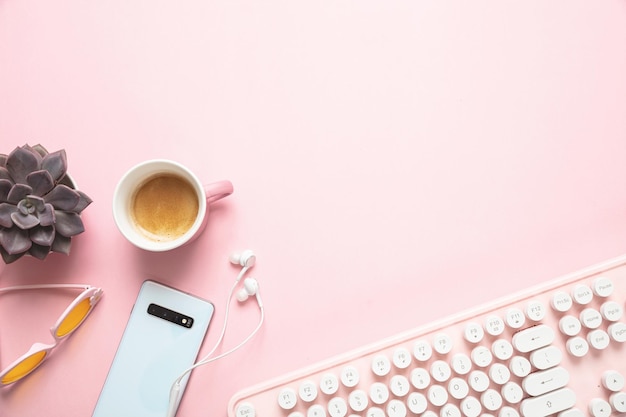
(161, 340)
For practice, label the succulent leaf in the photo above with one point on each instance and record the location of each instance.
(22, 162)
(43, 236)
(62, 244)
(5, 187)
(6, 210)
(46, 216)
(18, 192)
(62, 197)
(56, 164)
(68, 224)
(40, 181)
(24, 221)
(4, 174)
(10, 258)
(84, 201)
(40, 149)
(38, 251)
(3, 160)
(15, 240)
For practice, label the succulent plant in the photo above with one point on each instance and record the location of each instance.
(39, 204)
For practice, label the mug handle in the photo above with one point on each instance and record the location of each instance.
(218, 190)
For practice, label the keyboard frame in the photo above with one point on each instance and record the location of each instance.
(260, 390)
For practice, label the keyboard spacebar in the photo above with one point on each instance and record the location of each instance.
(550, 403)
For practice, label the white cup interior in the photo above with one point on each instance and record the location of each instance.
(123, 196)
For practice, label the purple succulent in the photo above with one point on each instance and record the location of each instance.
(39, 205)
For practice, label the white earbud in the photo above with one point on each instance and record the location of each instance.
(245, 258)
(250, 288)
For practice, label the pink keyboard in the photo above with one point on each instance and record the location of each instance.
(557, 349)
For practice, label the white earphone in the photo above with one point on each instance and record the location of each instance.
(246, 260)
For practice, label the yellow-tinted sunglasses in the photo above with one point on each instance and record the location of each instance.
(72, 317)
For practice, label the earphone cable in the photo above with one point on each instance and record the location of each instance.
(174, 391)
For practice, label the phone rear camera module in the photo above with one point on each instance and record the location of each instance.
(170, 315)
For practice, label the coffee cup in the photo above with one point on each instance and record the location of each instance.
(159, 205)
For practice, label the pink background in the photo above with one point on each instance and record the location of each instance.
(393, 161)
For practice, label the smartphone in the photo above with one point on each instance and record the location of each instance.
(161, 340)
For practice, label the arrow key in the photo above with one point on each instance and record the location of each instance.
(618, 401)
(599, 408)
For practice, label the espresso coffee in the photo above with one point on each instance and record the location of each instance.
(165, 207)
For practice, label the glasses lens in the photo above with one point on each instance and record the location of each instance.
(24, 368)
(74, 318)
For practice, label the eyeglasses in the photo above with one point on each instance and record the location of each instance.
(70, 320)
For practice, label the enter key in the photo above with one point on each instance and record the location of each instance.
(539, 383)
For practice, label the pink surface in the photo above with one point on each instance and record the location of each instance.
(393, 163)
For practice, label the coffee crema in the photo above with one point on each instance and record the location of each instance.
(165, 207)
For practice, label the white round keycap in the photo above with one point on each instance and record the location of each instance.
(422, 350)
(499, 373)
(471, 407)
(512, 392)
(461, 363)
(442, 343)
(519, 366)
(437, 395)
(502, 349)
(440, 371)
(481, 356)
(479, 381)
(399, 385)
(582, 294)
(381, 365)
(611, 311)
(450, 410)
(316, 411)
(577, 346)
(561, 301)
(599, 408)
(591, 318)
(535, 311)
(379, 394)
(507, 411)
(396, 408)
(245, 409)
(375, 412)
(358, 400)
(613, 380)
(618, 401)
(603, 287)
(349, 376)
(494, 325)
(401, 358)
(569, 325)
(308, 391)
(287, 398)
(491, 399)
(337, 407)
(515, 318)
(420, 378)
(474, 332)
(598, 339)
(458, 388)
(417, 403)
(617, 331)
(329, 384)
